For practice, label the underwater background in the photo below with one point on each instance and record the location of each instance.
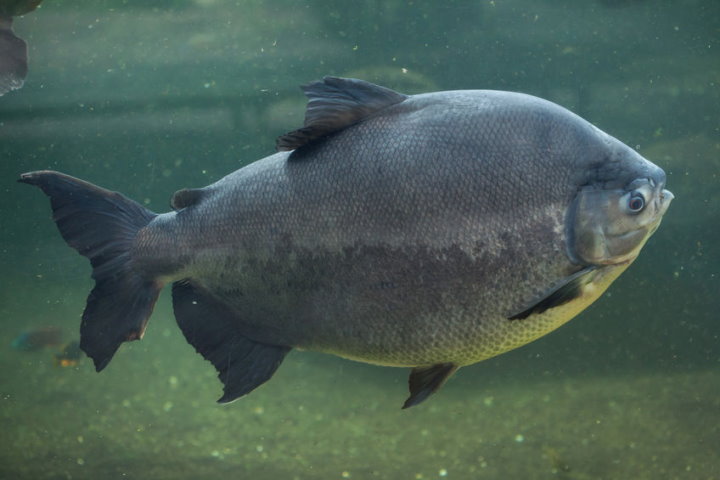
(147, 97)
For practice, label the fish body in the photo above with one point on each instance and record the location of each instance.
(69, 355)
(429, 231)
(13, 49)
(38, 338)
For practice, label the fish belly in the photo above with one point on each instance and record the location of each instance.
(392, 306)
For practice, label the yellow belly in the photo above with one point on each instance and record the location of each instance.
(504, 335)
(463, 341)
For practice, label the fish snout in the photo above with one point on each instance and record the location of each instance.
(665, 197)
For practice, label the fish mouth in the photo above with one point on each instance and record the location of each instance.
(666, 196)
(626, 260)
(664, 199)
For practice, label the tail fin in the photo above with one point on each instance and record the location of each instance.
(102, 226)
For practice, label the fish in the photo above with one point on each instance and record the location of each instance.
(69, 355)
(13, 49)
(38, 338)
(428, 231)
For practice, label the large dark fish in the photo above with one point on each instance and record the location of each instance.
(429, 231)
(13, 49)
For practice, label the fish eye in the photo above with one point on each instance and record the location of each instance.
(636, 202)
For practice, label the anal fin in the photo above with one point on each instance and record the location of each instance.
(425, 381)
(213, 329)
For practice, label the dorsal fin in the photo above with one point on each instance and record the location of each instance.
(186, 197)
(334, 104)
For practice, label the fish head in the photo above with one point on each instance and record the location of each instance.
(618, 209)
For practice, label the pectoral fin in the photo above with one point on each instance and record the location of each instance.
(425, 381)
(564, 291)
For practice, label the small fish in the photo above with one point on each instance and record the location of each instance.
(69, 356)
(38, 338)
(429, 231)
(13, 49)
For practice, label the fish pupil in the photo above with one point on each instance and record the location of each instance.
(637, 202)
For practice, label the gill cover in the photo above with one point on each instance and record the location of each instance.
(610, 226)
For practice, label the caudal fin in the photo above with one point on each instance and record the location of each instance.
(102, 225)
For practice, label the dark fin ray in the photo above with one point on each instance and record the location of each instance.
(102, 226)
(186, 197)
(334, 104)
(212, 328)
(425, 381)
(566, 290)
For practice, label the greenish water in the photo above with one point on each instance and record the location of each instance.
(149, 97)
